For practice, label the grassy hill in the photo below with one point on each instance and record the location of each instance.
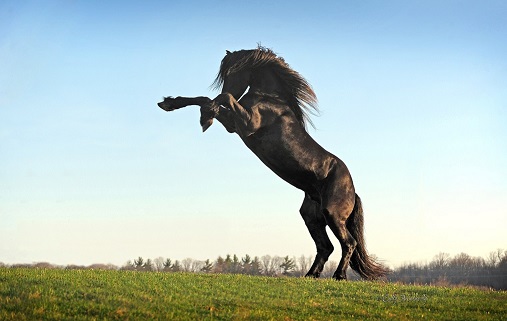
(46, 294)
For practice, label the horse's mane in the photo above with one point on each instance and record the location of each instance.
(300, 95)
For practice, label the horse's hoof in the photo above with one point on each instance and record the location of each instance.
(207, 124)
(167, 104)
(312, 275)
(339, 277)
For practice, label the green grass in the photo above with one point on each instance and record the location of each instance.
(35, 294)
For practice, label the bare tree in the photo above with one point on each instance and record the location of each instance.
(329, 269)
(186, 265)
(129, 266)
(303, 265)
(196, 266)
(271, 265)
(44, 265)
(266, 264)
(158, 264)
(440, 261)
(75, 267)
(100, 266)
(496, 257)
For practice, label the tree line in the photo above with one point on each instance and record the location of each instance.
(266, 265)
(462, 269)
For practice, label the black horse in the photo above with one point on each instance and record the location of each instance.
(270, 119)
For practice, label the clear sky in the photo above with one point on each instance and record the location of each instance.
(412, 96)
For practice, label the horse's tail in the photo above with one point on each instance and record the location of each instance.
(360, 261)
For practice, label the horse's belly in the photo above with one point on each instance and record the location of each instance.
(299, 161)
(305, 172)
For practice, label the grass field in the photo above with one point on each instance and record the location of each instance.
(39, 294)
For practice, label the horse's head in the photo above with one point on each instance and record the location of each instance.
(237, 83)
(264, 71)
(234, 74)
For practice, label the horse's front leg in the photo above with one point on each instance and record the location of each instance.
(245, 120)
(208, 109)
(171, 103)
(223, 115)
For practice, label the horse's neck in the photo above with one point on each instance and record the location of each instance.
(265, 81)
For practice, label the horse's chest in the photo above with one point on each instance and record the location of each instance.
(268, 148)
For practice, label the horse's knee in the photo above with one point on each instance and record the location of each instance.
(337, 222)
(326, 250)
(308, 205)
(310, 212)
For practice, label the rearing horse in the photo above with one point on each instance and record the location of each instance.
(270, 119)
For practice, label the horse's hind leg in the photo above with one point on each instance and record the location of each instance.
(316, 224)
(336, 214)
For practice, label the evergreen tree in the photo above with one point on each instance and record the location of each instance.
(287, 266)
(129, 266)
(255, 267)
(208, 266)
(246, 264)
(148, 265)
(176, 266)
(138, 264)
(236, 264)
(227, 267)
(168, 264)
(219, 265)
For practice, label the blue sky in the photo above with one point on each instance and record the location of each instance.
(411, 93)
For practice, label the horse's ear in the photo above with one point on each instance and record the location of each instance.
(227, 52)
